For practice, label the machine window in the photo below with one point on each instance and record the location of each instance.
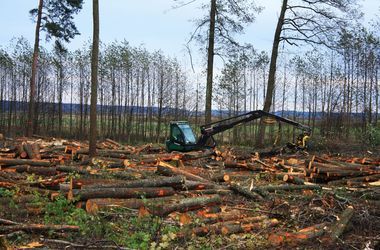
(188, 132)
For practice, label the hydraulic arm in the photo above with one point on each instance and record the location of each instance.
(208, 130)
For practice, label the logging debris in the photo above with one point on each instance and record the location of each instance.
(289, 200)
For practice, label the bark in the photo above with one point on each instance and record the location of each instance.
(94, 78)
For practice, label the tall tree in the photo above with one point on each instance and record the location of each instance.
(306, 21)
(225, 19)
(57, 21)
(94, 77)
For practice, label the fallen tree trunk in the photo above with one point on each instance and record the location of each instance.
(245, 192)
(95, 205)
(72, 169)
(227, 228)
(196, 185)
(13, 162)
(208, 191)
(187, 204)
(287, 188)
(293, 179)
(153, 182)
(299, 237)
(38, 228)
(124, 193)
(340, 225)
(220, 177)
(46, 171)
(354, 180)
(167, 169)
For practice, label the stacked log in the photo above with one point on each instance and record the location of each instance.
(324, 170)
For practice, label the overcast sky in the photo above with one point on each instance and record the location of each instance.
(152, 23)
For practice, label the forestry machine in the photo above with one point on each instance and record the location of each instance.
(182, 137)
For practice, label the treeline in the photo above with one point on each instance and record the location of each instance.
(335, 91)
(138, 92)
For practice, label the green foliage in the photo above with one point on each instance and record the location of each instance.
(373, 135)
(57, 18)
(6, 193)
(142, 233)
(62, 211)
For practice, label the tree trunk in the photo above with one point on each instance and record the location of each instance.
(210, 62)
(272, 72)
(30, 123)
(94, 78)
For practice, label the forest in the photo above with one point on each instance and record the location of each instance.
(83, 132)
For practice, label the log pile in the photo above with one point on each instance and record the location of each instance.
(229, 192)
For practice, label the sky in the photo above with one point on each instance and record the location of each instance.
(151, 23)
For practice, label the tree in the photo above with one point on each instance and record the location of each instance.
(225, 18)
(308, 21)
(55, 17)
(94, 77)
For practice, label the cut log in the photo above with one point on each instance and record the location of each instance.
(156, 182)
(72, 169)
(299, 237)
(196, 185)
(167, 169)
(287, 188)
(31, 162)
(124, 193)
(245, 192)
(220, 177)
(352, 181)
(293, 179)
(340, 225)
(208, 191)
(114, 143)
(95, 205)
(36, 151)
(223, 217)
(187, 204)
(227, 228)
(198, 154)
(21, 152)
(46, 171)
(38, 228)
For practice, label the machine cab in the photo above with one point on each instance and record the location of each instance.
(181, 137)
